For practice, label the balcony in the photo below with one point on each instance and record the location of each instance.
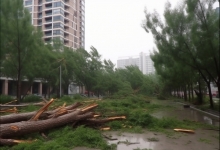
(48, 6)
(48, 21)
(48, 27)
(48, 14)
(48, 34)
(47, 39)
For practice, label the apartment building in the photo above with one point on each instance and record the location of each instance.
(143, 62)
(63, 19)
(127, 61)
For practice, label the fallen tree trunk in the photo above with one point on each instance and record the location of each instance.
(102, 121)
(22, 105)
(12, 141)
(50, 119)
(25, 127)
(26, 116)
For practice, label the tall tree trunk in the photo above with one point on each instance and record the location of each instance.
(29, 87)
(192, 91)
(200, 95)
(210, 96)
(185, 93)
(189, 92)
(19, 89)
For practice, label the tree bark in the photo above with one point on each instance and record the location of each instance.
(210, 96)
(26, 116)
(185, 93)
(25, 127)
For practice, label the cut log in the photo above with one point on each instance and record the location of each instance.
(25, 127)
(13, 141)
(9, 110)
(101, 121)
(26, 116)
(40, 111)
(22, 105)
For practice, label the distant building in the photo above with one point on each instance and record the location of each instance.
(217, 9)
(123, 62)
(143, 62)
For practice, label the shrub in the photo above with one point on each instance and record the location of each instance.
(77, 96)
(142, 119)
(5, 99)
(66, 98)
(31, 98)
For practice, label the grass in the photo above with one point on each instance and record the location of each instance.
(5, 99)
(67, 138)
(207, 141)
(153, 139)
(136, 108)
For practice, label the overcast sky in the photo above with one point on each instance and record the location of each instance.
(113, 27)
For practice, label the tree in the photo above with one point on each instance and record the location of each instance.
(180, 37)
(21, 41)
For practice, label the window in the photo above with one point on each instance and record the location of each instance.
(58, 32)
(58, 4)
(39, 2)
(58, 18)
(58, 11)
(58, 25)
(40, 15)
(28, 2)
(39, 8)
(39, 22)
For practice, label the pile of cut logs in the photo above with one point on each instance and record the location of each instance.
(18, 124)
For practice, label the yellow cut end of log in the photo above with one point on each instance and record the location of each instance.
(89, 107)
(105, 129)
(41, 110)
(24, 141)
(12, 110)
(15, 128)
(118, 117)
(184, 130)
(95, 116)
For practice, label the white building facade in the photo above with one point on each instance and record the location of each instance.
(143, 62)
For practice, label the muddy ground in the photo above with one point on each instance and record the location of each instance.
(202, 139)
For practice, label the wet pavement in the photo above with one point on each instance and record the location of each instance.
(191, 113)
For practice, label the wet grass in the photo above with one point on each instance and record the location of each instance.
(66, 138)
(207, 141)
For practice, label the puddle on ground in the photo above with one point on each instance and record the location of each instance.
(189, 114)
(128, 141)
(202, 139)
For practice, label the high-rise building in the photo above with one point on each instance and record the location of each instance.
(143, 62)
(63, 19)
(127, 61)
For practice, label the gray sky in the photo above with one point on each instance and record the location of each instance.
(113, 27)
